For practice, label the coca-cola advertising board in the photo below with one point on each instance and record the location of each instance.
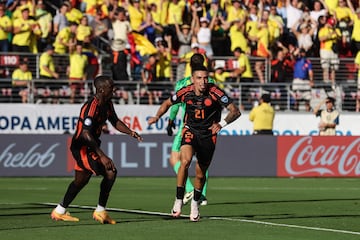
(318, 156)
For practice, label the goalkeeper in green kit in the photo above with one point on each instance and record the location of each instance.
(196, 59)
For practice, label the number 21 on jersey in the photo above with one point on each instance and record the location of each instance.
(199, 113)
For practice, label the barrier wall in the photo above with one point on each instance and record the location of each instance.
(283, 156)
(57, 119)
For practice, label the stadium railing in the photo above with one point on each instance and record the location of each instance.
(135, 92)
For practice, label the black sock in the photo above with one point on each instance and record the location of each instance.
(70, 194)
(105, 188)
(197, 194)
(180, 191)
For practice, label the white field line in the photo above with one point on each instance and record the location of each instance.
(285, 225)
(218, 218)
(288, 188)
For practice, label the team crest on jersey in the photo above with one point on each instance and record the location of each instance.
(225, 99)
(87, 122)
(207, 102)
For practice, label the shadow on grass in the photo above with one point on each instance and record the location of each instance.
(37, 209)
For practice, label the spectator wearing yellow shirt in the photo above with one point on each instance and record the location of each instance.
(263, 116)
(235, 12)
(328, 37)
(136, 15)
(17, 13)
(47, 72)
(5, 29)
(77, 70)
(23, 30)
(344, 19)
(163, 66)
(276, 24)
(221, 76)
(44, 19)
(65, 38)
(155, 11)
(47, 66)
(251, 30)
(21, 78)
(332, 4)
(84, 31)
(243, 74)
(237, 37)
(175, 11)
(73, 14)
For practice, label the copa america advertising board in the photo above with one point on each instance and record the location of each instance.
(49, 119)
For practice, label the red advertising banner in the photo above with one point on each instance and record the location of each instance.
(317, 156)
(9, 60)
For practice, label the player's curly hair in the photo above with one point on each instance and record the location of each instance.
(100, 80)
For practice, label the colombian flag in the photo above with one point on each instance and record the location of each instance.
(143, 45)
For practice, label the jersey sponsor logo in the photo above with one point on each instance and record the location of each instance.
(224, 99)
(87, 122)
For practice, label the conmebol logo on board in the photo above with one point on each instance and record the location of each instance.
(315, 156)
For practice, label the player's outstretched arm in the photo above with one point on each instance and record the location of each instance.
(233, 114)
(121, 127)
(164, 107)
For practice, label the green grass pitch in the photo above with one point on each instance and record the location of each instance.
(239, 208)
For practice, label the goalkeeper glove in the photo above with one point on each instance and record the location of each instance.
(170, 127)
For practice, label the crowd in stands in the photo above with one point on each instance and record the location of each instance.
(282, 31)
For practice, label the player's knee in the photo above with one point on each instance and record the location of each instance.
(111, 174)
(80, 184)
(201, 177)
(185, 163)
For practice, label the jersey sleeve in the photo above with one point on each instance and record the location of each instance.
(179, 84)
(220, 95)
(173, 111)
(178, 97)
(113, 118)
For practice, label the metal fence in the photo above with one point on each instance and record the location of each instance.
(135, 92)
